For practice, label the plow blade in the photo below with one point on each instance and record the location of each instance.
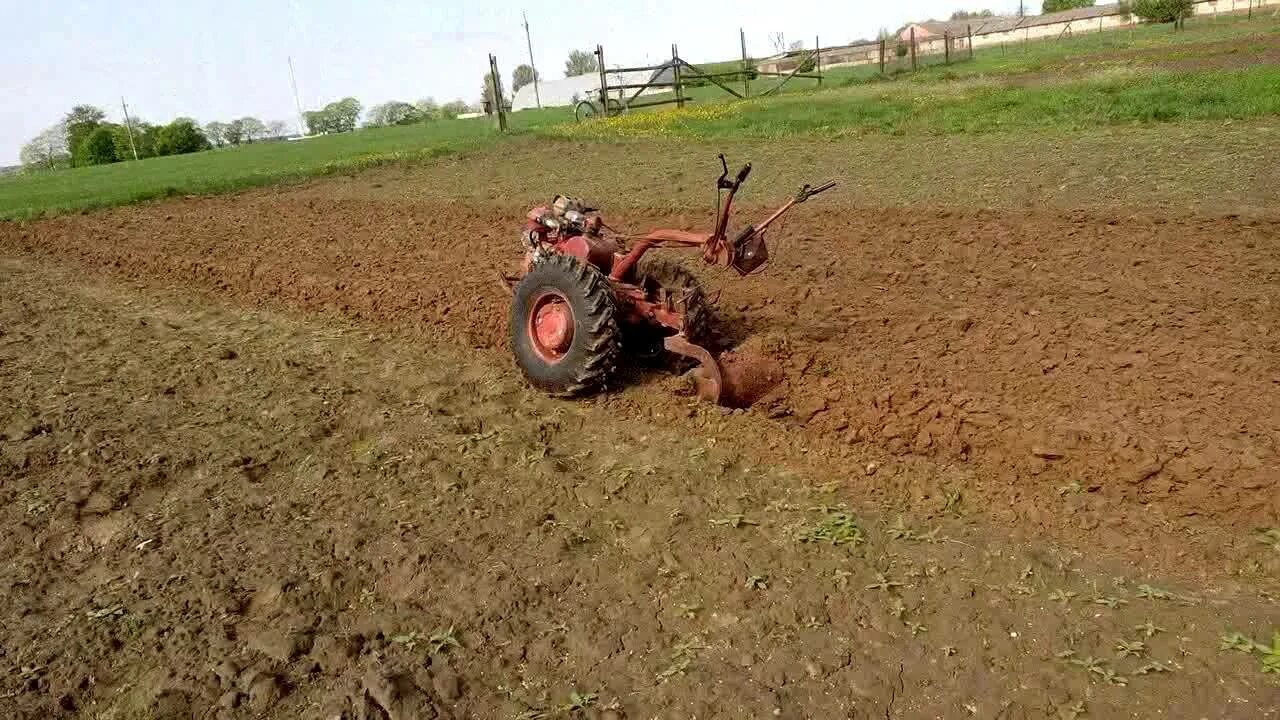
(733, 380)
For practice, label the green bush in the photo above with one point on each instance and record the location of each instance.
(98, 148)
(180, 137)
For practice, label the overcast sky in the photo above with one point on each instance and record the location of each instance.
(225, 59)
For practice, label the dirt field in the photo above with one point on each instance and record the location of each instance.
(322, 520)
(1013, 443)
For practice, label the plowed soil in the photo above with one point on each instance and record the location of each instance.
(1103, 372)
(265, 455)
(211, 513)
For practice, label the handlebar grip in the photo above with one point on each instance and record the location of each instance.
(744, 172)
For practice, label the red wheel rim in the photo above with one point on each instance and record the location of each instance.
(550, 326)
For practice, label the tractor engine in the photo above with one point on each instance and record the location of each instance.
(568, 227)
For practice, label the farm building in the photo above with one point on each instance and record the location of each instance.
(568, 91)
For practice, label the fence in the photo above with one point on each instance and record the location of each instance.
(621, 89)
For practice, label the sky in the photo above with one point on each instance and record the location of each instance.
(229, 58)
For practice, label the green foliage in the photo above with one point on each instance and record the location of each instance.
(1160, 11)
(98, 148)
(253, 165)
(521, 76)
(835, 528)
(451, 110)
(1052, 6)
(428, 108)
(966, 14)
(336, 117)
(251, 128)
(124, 149)
(216, 132)
(901, 49)
(394, 112)
(180, 137)
(79, 123)
(580, 62)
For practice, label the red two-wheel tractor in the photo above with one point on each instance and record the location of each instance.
(586, 296)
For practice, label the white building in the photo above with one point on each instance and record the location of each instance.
(568, 91)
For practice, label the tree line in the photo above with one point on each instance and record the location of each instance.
(399, 112)
(84, 137)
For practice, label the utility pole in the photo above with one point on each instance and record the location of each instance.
(528, 41)
(129, 126)
(302, 123)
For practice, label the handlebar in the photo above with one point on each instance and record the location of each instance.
(723, 183)
(807, 192)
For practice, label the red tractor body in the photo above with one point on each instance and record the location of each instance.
(572, 317)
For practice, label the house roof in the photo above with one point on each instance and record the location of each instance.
(1084, 13)
(1003, 23)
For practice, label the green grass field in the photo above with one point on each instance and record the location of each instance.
(983, 95)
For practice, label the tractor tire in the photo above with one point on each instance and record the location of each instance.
(664, 272)
(562, 327)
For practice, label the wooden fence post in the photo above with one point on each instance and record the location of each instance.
(746, 66)
(495, 81)
(946, 47)
(883, 41)
(817, 59)
(970, 29)
(675, 69)
(913, 48)
(604, 81)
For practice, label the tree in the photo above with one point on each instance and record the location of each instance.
(779, 42)
(48, 150)
(126, 145)
(453, 109)
(796, 46)
(181, 136)
(1052, 6)
(233, 132)
(277, 129)
(252, 128)
(336, 117)
(216, 132)
(343, 115)
(394, 112)
(428, 108)
(79, 123)
(149, 138)
(317, 122)
(521, 76)
(580, 62)
(967, 14)
(98, 148)
(1160, 11)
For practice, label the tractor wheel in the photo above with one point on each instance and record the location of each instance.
(562, 326)
(653, 272)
